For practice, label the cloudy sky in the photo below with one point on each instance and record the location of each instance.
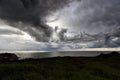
(31, 25)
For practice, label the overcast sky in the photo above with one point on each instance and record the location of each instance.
(23, 26)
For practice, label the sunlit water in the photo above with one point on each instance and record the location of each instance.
(35, 55)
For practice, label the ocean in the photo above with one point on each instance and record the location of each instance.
(38, 54)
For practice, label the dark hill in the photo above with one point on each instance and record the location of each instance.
(63, 68)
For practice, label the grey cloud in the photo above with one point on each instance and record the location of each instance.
(9, 32)
(32, 12)
(15, 10)
(92, 15)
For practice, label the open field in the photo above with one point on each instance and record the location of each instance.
(63, 68)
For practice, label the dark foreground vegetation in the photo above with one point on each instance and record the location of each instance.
(102, 67)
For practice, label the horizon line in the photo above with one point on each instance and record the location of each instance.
(85, 49)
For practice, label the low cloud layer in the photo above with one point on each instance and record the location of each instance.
(10, 32)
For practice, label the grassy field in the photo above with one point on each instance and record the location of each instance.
(66, 68)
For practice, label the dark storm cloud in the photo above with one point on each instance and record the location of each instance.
(92, 16)
(28, 10)
(31, 12)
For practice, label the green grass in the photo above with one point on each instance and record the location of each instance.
(66, 68)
